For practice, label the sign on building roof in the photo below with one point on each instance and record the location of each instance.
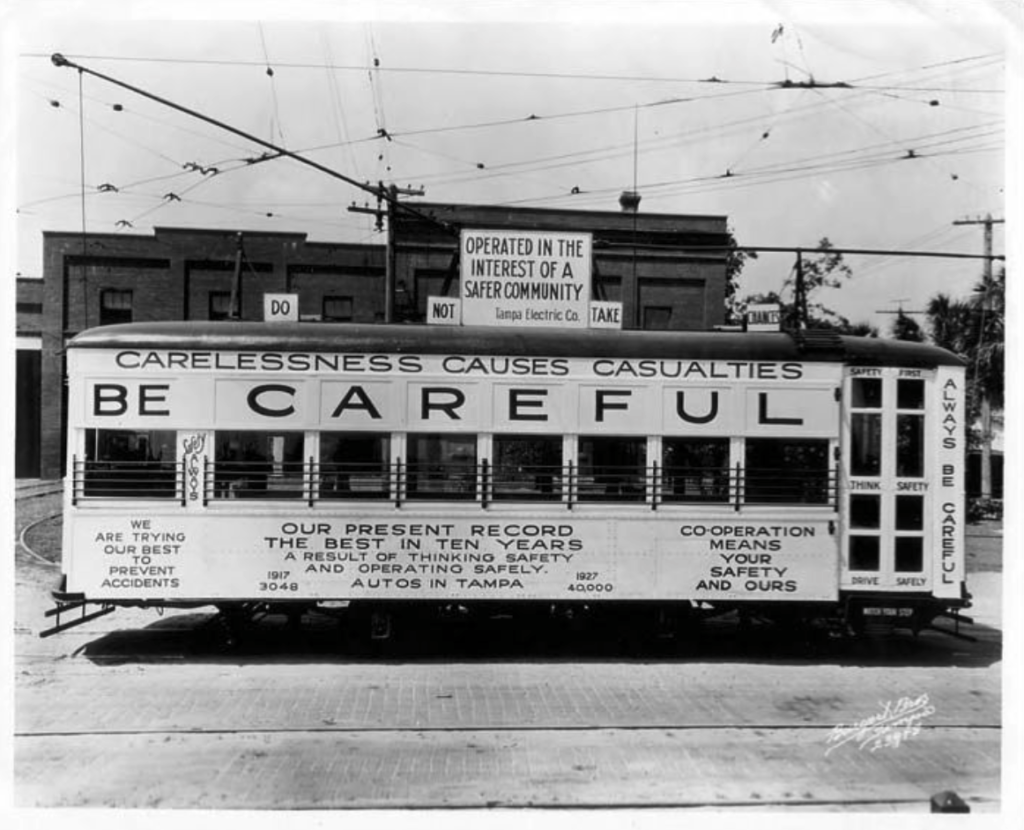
(525, 278)
(763, 317)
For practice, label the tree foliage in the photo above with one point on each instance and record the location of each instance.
(825, 270)
(907, 328)
(975, 330)
(735, 259)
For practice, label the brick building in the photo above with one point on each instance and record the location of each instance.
(652, 263)
(186, 274)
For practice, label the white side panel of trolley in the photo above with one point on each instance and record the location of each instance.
(423, 556)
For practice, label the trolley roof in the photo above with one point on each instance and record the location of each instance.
(819, 346)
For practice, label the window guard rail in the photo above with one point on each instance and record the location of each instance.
(484, 483)
(117, 480)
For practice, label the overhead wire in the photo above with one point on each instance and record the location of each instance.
(506, 73)
(126, 111)
(377, 95)
(273, 88)
(742, 121)
(590, 156)
(618, 151)
(718, 182)
(562, 115)
(337, 106)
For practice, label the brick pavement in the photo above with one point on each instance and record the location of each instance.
(310, 695)
(721, 767)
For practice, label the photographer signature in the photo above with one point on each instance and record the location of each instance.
(889, 728)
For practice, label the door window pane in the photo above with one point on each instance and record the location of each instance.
(865, 444)
(910, 446)
(909, 554)
(865, 512)
(909, 394)
(909, 512)
(864, 553)
(867, 393)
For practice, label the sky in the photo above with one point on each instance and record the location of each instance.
(704, 108)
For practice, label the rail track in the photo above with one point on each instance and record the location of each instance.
(32, 490)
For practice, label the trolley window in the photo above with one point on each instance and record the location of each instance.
(909, 513)
(866, 520)
(866, 427)
(441, 466)
(258, 465)
(865, 511)
(791, 471)
(696, 469)
(128, 464)
(910, 428)
(865, 553)
(909, 554)
(527, 467)
(612, 468)
(354, 465)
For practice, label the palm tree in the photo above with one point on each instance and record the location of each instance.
(974, 329)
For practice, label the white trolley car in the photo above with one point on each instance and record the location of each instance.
(287, 467)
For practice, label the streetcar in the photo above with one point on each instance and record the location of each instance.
(361, 470)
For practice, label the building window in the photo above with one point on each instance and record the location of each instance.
(220, 305)
(657, 317)
(608, 289)
(431, 283)
(337, 310)
(115, 306)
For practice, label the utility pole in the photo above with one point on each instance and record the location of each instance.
(235, 305)
(390, 194)
(800, 292)
(986, 404)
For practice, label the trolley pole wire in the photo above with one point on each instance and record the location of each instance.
(380, 192)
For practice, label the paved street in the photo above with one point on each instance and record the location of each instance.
(135, 710)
